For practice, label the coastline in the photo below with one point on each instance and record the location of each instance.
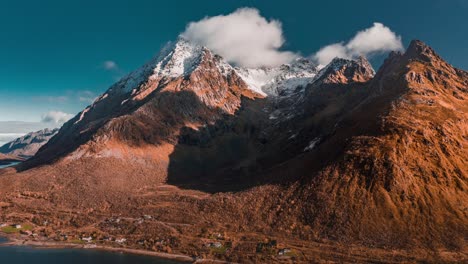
(62, 245)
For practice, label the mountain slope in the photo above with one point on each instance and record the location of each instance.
(351, 165)
(398, 172)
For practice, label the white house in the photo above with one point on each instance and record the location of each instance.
(284, 251)
(120, 240)
(87, 239)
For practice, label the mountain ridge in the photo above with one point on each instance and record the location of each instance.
(354, 158)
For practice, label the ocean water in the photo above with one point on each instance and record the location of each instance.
(31, 255)
(8, 165)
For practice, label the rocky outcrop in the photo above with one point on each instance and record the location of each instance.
(345, 71)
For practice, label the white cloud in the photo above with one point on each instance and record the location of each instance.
(328, 53)
(110, 65)
(375, 39)
(243, 37)
(56, 117)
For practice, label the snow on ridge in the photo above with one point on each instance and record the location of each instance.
(312, 144)
(182, 57)
(257, 78)
(278, 80)
(180, 60)
(174, 60)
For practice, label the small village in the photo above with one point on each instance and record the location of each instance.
(210, 243)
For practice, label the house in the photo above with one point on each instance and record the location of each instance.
(87, 239)
(17, 226)
(147, 217)
(120, 240)
(284, 251)
(214, 245)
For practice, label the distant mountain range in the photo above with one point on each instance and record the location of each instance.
(26, 146)
(303, 155)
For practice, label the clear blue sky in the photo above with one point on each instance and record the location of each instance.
(52, 51)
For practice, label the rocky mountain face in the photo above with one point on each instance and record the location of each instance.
(336, 156)
(345, 71)
(26, 146)
(393, 170)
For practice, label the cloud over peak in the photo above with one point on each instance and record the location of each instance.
(243, 37)
(367, 42)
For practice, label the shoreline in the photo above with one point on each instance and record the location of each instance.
(64, 245)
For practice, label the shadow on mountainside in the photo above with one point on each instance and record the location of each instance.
(223, 156)
(248, 149)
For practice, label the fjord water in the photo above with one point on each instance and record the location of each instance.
(31, 255)
(8, 165)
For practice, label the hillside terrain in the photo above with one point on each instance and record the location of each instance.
(297, 163)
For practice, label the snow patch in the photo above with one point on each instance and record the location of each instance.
(179, 60)
(312, 144)
(82, 115)
(282, 80)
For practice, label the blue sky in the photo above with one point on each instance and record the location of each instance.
(58, 55)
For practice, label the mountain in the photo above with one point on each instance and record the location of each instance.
(393, 170)
(186, 85)
(26, 146)
(340, 164)
(345, 71)
(7, 159)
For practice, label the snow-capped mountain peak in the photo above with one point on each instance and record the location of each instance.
(178, 59)
(180, 65)
(174, 60)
